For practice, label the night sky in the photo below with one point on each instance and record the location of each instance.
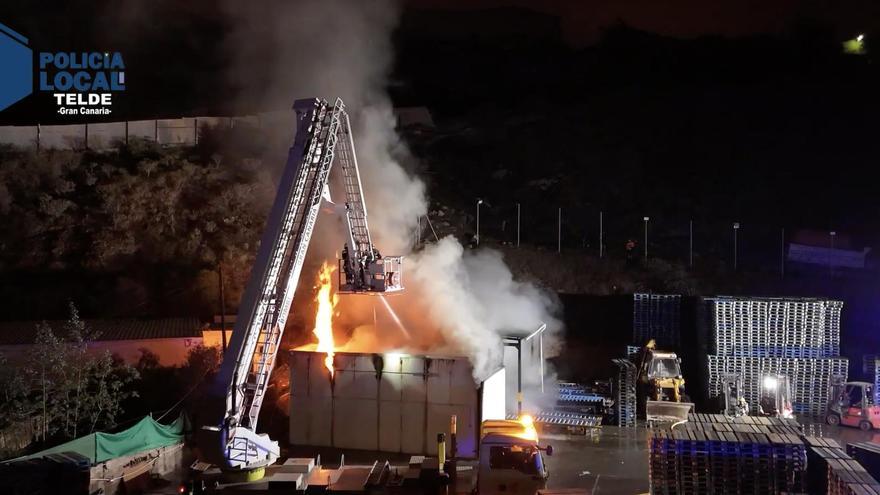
(583, 20)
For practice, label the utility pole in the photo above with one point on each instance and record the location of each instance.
(735, 229)
(646, 238)
(601, 237)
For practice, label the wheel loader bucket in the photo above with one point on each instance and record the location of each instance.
(658, 411)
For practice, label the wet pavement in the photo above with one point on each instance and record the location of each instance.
(611, 460)
(607, 460)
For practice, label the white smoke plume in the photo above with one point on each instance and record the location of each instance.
(456, 300)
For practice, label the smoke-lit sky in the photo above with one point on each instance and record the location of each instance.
(582, 20)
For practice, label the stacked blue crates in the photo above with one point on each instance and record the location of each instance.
(658, 317)
(871, 367)
(625, 392)
(795, 337)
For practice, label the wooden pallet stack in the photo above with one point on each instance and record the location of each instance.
(833, 472)
(713, 454)
(868, 455)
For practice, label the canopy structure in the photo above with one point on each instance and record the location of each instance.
(99, 447)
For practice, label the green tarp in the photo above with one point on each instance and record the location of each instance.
(99, 447)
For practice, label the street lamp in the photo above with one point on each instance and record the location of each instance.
(646, 237)
(831, 236)
(735, 229)
(479, 202)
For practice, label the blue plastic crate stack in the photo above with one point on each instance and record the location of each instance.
(624, 392)
(658, 317)
(798, 338)
(577, 407)
(871, 367)
(714, 454)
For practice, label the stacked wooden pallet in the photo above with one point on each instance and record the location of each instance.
(868, 455)
(833, 472)
(712, 454)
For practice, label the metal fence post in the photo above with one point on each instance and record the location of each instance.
(39, 131)
(87, 135)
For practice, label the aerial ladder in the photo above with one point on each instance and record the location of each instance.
(323, 137)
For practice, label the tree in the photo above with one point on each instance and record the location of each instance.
(73, 390)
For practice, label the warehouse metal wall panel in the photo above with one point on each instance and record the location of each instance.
(391, 426)
(412, 428)
(389, 402)
(356, 433)
(310, 423)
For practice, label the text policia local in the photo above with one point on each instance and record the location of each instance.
(86, 72)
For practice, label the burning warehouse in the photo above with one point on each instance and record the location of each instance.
(389, 402)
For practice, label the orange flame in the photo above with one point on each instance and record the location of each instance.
(324, 317)
(529, 430)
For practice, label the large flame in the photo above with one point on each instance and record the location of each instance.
(324, 317)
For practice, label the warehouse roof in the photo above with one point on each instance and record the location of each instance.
(25, 332)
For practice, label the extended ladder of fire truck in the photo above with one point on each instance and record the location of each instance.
(323, 136)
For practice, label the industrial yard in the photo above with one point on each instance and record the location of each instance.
(417, 247)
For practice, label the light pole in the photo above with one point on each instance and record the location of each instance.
(559, 232)
(782, 255)
(735, 229)
(646, 237)
(691, 244)
(479, 202)
(831, 236)
(517, 224)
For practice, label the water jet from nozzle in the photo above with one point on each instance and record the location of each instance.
(395, 317)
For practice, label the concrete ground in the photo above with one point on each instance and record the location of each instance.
(606, 461)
